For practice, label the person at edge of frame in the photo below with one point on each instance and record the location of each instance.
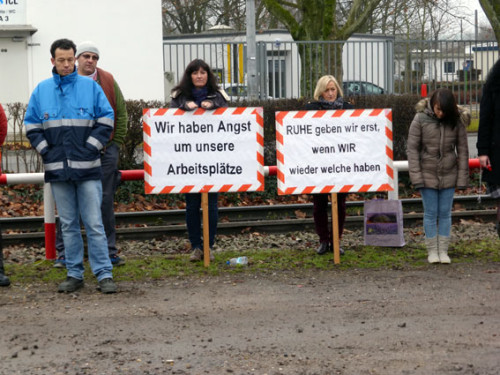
(488, 136)
(4, 280)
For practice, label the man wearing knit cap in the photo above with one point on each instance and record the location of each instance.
(87, 55)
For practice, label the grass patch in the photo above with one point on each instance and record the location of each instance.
(473, 126)
(156, 267)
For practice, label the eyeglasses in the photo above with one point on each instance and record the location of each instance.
(89, 57)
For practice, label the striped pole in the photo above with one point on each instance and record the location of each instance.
(49, 214)
(138, 174)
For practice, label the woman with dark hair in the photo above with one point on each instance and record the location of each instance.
(488, 135)
(438, 159)
(327, 95)
(4, 280)
(198, 89)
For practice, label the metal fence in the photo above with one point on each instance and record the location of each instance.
(290, 69)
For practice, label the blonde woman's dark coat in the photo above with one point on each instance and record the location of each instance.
(438, 154)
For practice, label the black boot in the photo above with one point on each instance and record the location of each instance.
(323, 248)
(4, 280)
(330, 249)
(497, 222)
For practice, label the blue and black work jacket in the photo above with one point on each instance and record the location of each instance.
(68, 121)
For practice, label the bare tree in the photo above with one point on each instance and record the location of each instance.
(185, 16)
(485, 32)
(314, 20)
(492, 10)
(228, 12)
(194, 16)
(419, 19)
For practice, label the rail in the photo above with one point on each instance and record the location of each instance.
(136, 175)
(275, 218)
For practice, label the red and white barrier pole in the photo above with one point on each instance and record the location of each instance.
(138, 174)
(270, 170)
(50, 222)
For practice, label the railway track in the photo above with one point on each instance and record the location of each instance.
(277, 218)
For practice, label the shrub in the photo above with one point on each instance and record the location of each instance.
(403, 111)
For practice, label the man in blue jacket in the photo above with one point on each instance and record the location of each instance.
(68, 121)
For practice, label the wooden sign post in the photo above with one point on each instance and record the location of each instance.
(334, 151)
(206, 229)
(335, 229)
(203, 151)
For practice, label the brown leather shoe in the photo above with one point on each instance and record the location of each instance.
(196, 255)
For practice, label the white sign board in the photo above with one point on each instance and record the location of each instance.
(203, 151)
(334, 151)
(12, 12)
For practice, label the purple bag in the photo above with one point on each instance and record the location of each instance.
(384, 223)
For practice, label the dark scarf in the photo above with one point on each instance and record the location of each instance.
(199, 95)
(337, 104)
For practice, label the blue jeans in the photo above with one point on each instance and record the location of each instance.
(110, 180)
(437, 211)
(75, 199)
(193, 218)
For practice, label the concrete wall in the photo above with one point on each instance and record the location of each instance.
(127, 32)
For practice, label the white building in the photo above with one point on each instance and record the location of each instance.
(440, 65)
(446, 62)
(485, 56)
(127, 32)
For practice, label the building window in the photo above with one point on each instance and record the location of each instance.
(419, 67)
(449, 66)
(277, 74)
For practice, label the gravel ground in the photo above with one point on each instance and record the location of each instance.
(307, 240)
(431, 320)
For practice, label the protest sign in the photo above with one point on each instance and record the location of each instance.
(334, 151)
(203, 151)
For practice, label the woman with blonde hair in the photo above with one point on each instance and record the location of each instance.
(328, 95)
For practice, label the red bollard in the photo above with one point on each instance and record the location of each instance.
(50, 241)
(423, 90)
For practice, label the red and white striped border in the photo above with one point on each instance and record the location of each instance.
(280, 157)
(149, 189)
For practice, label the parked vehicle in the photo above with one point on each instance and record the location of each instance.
(353, 88)
(238, 91)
